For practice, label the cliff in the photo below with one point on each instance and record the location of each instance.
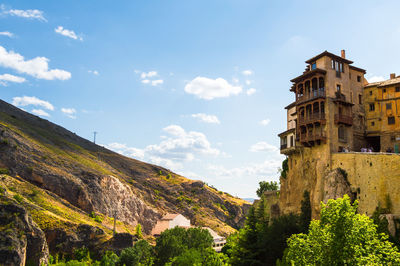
(71, 178)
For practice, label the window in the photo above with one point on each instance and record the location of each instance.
(372, 107)
(339, 67)
(333, 64)
(342, 133)
(391, 120)
(314, 65)
(360, 99)
(397, 89)
(358, 78)
(392, 138)
(370, 92)
(372, 123)
(338, 88)
(291, 141)
(388, 106)
(384, 90)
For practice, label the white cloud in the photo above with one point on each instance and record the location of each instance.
(375, 79)
(247, 72)
(209, 89)
(37, 67)
(145, 81)
(263, 146)
(125, 150)
(212, 119)
(40, 112)
(6, 33)
(157, 82)
(70, 112)
(149, 74)
(10, 78)
(248, 82)
(29, 13)
(26, 100)
(265, 122)
(251, 91)
(235, 80)
(179, 146)
(266, 168)
(94, 72)
(68, 33)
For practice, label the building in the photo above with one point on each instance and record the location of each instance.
(382, 108)
(219, 241)
(169, 221)
(342, 137)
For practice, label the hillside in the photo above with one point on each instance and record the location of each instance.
(62, 178)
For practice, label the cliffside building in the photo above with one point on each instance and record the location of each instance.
(342, 137)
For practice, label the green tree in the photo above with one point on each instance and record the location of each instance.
(266, 186)
(305, 216)
(138, 231)
(341, 237)
(176, 241)
(140, 254)
(109, 259)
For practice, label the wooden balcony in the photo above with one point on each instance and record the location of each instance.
(343, 119)
(310, 96)
(310, 119)
(312, 137)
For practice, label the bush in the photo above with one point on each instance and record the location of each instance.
(140, 254)
(18, 198)
(4, 171)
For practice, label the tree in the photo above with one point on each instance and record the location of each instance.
(176, 241)
(138, 231)
(305, 216)
(341, 237)
(266, 186)
(140, 254)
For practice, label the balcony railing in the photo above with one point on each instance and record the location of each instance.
(310, 136)
(316, 117)
(312, 95)
(343, 119)
(283, 146)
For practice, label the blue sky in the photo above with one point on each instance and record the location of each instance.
(196, 86)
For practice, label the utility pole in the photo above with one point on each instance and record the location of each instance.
(94, 137)
(115, 222)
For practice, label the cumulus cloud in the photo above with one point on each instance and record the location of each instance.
(6, 33)
(29, 13)
(5, 78)
(27, 100)
(266, 168)
(263, 146)
(148, 78)
(251, 91)
(67, 33)
(157, 82)
(37, 67)
(40, 112)
(94, 72)
(247, 72)
(174, 149)
(265, 122)
(248, 82)
(208, 89)
(375, 79)
(212, 119)
(70, 112)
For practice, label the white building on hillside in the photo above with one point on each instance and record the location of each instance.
(169, 221)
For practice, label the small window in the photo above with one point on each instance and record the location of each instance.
(391, 120)
(342, 133)
(358, 78)
(370, 92)
(372, 123)
(372, 107)
(388, 106)
(392, 138)
(338, 88)
(360, 99)
(384, 90)
(333, 64)
(314, 65)
(397, 89)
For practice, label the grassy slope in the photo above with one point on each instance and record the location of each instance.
(158, 187)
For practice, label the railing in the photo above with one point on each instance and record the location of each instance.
(311, 118)
(312, 95)
(343, 119)
(310, 136)
(283, 146)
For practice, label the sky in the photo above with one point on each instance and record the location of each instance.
(198, 87)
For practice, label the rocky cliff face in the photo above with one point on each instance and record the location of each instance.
(81, 177)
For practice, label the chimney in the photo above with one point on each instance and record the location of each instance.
(343, 54)
(392, 75)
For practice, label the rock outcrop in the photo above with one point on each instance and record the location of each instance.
(21, 240)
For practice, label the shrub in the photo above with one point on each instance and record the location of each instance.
(4, 171)
(18, 198)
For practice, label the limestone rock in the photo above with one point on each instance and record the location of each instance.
(336, 185)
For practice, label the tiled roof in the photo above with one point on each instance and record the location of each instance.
(384, 83)
(169, 216)
(160, 227)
